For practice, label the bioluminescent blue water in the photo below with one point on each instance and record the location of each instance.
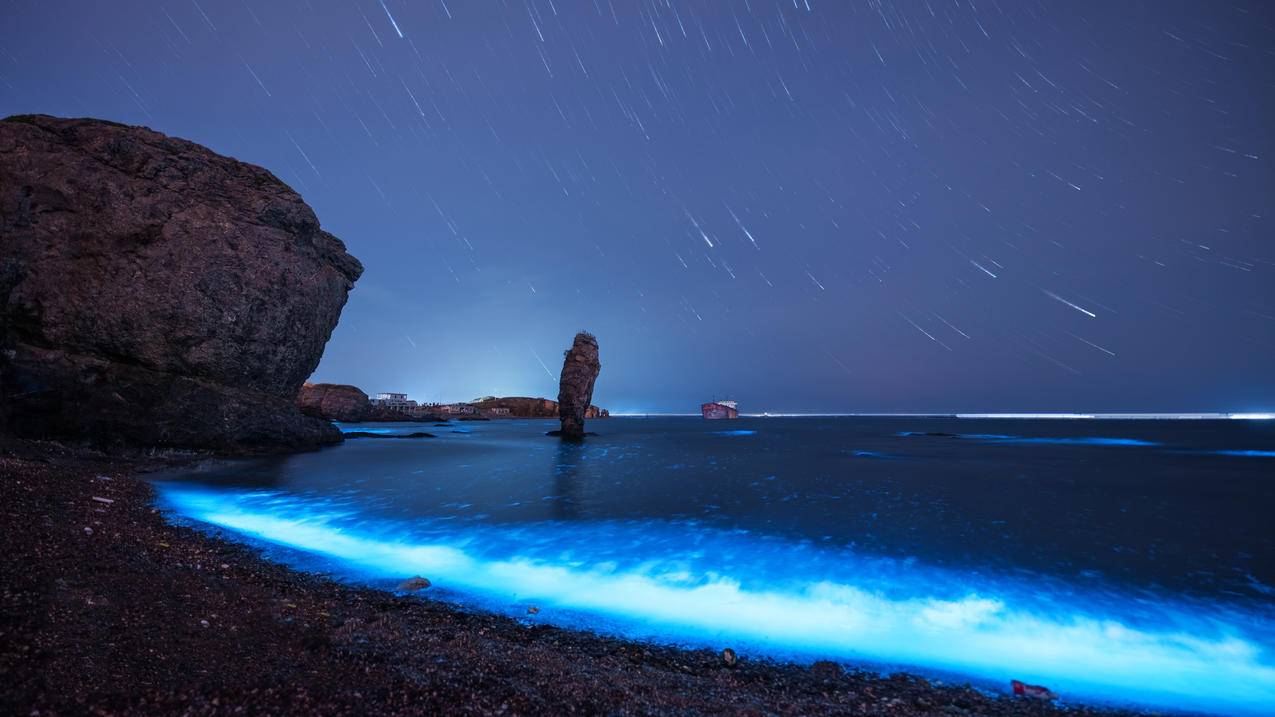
(1248, 454)
(1131, 572)
(360, 428)
(1043, 440)
(1081, 441)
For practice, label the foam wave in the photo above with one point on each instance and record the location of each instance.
(711, 587)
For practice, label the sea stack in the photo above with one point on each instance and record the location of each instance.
(153, 292)
(575, 388)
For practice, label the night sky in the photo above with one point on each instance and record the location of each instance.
(952, 205)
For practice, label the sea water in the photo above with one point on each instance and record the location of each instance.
(1113, 561)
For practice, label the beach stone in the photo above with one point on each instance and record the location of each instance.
(827, 669)
(414, 584)
(154, 292)
(580, 368)
(729, 658)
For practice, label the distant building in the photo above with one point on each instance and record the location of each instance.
(394, 402)
(500, 411)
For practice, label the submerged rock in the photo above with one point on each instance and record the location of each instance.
(155, 292)
(580, 368)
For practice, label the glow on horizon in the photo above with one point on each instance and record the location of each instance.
(1095, 645)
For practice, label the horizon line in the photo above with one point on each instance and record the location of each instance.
(1194, 415)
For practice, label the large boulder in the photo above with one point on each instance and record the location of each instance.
(154, 292)
(580, 367)
(334, 402)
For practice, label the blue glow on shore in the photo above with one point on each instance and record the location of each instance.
(738, 432)
(875, 454)
(686, 583)
(1040, 440)
(359, 428)
(1087, 441)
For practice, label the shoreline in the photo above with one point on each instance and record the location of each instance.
(109, 606)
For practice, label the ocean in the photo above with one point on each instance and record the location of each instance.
(1114, 561)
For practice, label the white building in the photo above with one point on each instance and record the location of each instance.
(394, 402)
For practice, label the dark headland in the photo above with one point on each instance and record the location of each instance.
(160, 304)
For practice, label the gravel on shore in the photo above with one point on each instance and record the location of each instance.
(106, 608)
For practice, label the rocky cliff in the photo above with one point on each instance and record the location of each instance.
(155, 292)
(521, 406)
(334, 402)
(341, 402)
(580, 368)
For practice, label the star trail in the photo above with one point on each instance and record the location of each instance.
(939, 205)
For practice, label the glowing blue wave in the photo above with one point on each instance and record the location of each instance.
(359, 428)
(1083, 441)
(1248, 454)
(1043, 440)
(685, 583)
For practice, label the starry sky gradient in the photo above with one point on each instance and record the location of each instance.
(931, 205)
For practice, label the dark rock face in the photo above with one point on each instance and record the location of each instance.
(575, 388)
(154, 292)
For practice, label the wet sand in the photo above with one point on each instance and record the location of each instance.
(107, 608)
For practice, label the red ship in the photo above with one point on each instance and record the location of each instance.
(720, 409)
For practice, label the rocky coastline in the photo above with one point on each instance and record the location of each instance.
(110, 609)
(161, 304)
